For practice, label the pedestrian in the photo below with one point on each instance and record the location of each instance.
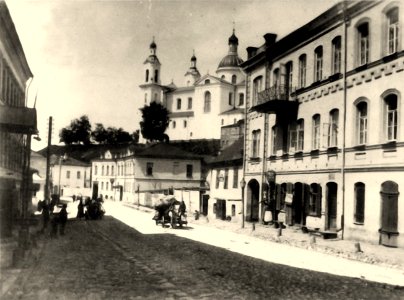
(45, 214)
(80, 209)
(62, 219)
(54, 226)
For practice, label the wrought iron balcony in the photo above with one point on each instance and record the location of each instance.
(276, 92)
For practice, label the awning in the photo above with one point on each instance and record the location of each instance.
(18, 120)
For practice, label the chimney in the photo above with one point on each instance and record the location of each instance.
(270, 39)
(251, 51)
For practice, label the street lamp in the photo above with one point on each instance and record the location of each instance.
(242, 184)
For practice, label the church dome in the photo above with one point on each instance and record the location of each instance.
(153, 45)
(233, 39)
(230, 60)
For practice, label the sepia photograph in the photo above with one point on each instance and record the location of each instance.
(201, 149)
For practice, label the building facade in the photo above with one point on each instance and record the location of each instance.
(17, 124)
(123, 174)
(209, 100)
(324, 131)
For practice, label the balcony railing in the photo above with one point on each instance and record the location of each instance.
(277, 92)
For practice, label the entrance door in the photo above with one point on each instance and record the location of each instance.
(95, 190)
(221, 209)
(205, 204)
(297, 203)
(331, 206)
(252, 211)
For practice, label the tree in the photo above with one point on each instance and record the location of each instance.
(99, 134)
(154, 122)
(78, 132)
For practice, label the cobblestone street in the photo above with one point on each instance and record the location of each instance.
(109, 260)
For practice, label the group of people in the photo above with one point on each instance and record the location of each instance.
(57, 220)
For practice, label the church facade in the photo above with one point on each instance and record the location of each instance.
(203, 104)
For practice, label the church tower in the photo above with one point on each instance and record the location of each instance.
(151, 87)
(192, 74)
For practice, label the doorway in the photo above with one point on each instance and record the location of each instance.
(252, 210)
(332, 189)
(389, 214)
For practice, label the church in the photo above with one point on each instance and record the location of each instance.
(202, 104)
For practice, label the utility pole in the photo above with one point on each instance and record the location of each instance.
(46, 191)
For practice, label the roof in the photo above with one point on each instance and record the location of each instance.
(230, 60)
(231, 155)
(152, 59)
(234, 110)
(67, 161)
(166, 151)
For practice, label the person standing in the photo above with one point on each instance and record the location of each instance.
(62, 219)
(45, 214)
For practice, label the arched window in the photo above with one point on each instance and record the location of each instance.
(222, 77)
(230, 98)
(273, 140)
(257, 87)
(318, 63)
(112, 170)
(302, 70)
(256, 137)
(207, 103)
(390, 117)
(156, 75)
(362, 122)
(241, 99)
(315, 200)
(276, 78)
(363, 43)
(336, 55)
(234, 79)
(359, 213)
(393, 30)
(147, 75)
(107, 170)
(316, 125)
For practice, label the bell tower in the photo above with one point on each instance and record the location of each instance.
(151, 87)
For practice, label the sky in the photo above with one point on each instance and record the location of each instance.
(87, 55)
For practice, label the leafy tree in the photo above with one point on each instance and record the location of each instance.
(135, 136)
(154, 122)
(99, 134)
(78, 132)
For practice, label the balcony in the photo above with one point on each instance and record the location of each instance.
(276, 100)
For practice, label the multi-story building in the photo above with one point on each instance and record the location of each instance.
(17, 124)
(122, 174)
(70, 176)
(324, 131)
(200, 106)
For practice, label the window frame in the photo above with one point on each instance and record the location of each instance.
(336, 55)
(189, 170)
(316, 132)
(359, 203)
(256, 140)
(394, 43)
(149, 168)
(318, 63)
(333, 128)
(207, 102)
(363, 43)
(391, 114)
(362, 123)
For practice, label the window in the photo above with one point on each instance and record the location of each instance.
(302, 70)
(359, 214)
(222, 122)
(391, 117)
(333, 129)
(189, 103)
(234, 79)
(185, 123)
(226, 178)
(176, 167)
(111, 186)
(78, 175)
(67, 174)
(147, 75)
(233, 210)
(206, 107)
(102, 170)
(207, 81)
(362, 122)
(189, 171)
(296, 136)
(256, 135)
(106, 185)
(178, 103)
(95, 170)
(235, 178)
(336, 55)
(241, 99)
(112, 170)
(318, 63)
(273, 145)
(316, 132)
(149, 169)
(276, 77)
(223, 77)
(315, 200)
(257, 85)
(289, 76)
(102, 185)
(107, 170)
(145, 98)
(217, 178)
(393, 26)
(156, 75)
(155, 97)
(230, 98)
(174, 124)
(363, 43)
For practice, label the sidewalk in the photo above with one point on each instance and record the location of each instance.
(292, 236)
